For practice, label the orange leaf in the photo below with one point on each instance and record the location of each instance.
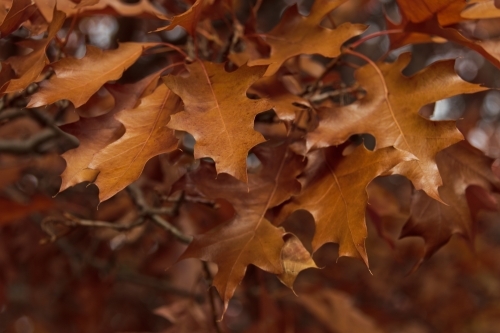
(389, 112)
(447, 11)
(296, 34)
(96, 133)
(78, 79)
(146, 135)
(461, 167)
(334, 192)
(18, 13)
(249, 238)
(109, 7)
(188, 20)
(295, 259)
(218, 114)
(28, 67)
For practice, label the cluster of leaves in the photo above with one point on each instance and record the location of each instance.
(276, 130)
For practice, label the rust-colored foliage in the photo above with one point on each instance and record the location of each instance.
(264, 139)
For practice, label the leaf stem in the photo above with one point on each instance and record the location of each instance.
(373, 35)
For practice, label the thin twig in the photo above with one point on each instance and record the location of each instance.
(147, 211)
(32, 144)
(72, 221)
(373, 35)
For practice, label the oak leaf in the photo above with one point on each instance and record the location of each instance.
(481, 10)
(96, 133)
(217, 100)
(295, 259)
(188, 20)
(78, 79)
(334, 192)
(286, 104)
(109, 7)
(28, 67)
(447, 11)
(249, 238)
(296, 34)
(146, 135)
(488, 48)
(18, 13)
(461, 166)
(389, 112)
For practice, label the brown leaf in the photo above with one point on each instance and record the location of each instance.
(28, 67)
(461, 167)
(296, 34)
(488, 49)
(143, 8)
(447, 11)
(249, 238)
(481, 10)
(146, 135)
(188, 20)
(334, 192)
(219, 102)
(78, 79)
(389, 112)
(337, 312)
(295, 259)
(285, 103)
(18, 13)
(96, 133)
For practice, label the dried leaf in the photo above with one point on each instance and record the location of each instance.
(219, 102)
(389, 112)
(249, 238)
(142, 8)
(481, 10)
(334, 192)
(461, 167)
(188, 20)
(296, 34)
(78, 79)
(18, 13)
(146, 136)
(96, 133)
(28, 67)
(447, 11)
(295, 259)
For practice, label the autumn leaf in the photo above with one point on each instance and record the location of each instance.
(296, 34)
(28, 67)
(96, 133)
(146, 135)
(334, 192)
(481, 10)
(142, 8)
(78, 79)
(286, 104)
(217, 99)
(249, 238)
(295, 259)
(18, 13)
(488, 48)
(447, 11)
(389, 112)
(461, 166)
(188, 20)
